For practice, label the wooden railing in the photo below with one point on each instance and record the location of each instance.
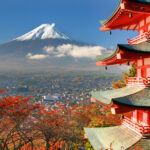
(141, 38)
(133, 125)
(138, 128)
(138, 81)
(146, 131)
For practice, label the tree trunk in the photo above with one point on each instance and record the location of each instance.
(47, 145)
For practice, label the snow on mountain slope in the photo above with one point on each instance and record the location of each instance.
(45, 48)
(44, 31)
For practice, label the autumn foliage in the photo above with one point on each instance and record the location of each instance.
(15, 115)
(25, 125)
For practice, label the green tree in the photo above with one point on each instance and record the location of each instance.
(131, 73)
(88, 146)
(122, 83)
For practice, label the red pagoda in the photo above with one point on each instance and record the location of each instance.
(135, 97)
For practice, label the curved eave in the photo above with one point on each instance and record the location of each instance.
(138, 48)
(131, 96)
(106, 57)
(120, 137)
(127, 53)
(147, 2)
(123, 10)
(139, 99)
(108, 97)
(103, 22)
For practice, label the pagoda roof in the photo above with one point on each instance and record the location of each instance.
(120, 137)
(141, 49)
(120, 17)
(141, 1)
(144, 143)
(131, 96)
(103, 22)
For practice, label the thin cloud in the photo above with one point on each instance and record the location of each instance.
(36, 56)
(75, 51)
(49, 49)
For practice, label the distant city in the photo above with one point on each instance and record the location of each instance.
(51, 88)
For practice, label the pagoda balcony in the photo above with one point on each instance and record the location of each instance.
(141, 38)
(137, 127)
(138, 81)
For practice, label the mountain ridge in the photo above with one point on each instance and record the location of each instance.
(45, 48)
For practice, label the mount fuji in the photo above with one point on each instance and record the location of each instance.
(47, 49)
(44, 31)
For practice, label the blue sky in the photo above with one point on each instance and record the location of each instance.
(79, 19)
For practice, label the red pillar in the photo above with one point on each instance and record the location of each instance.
(134, 118)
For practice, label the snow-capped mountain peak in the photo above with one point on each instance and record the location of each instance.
(44, 31)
